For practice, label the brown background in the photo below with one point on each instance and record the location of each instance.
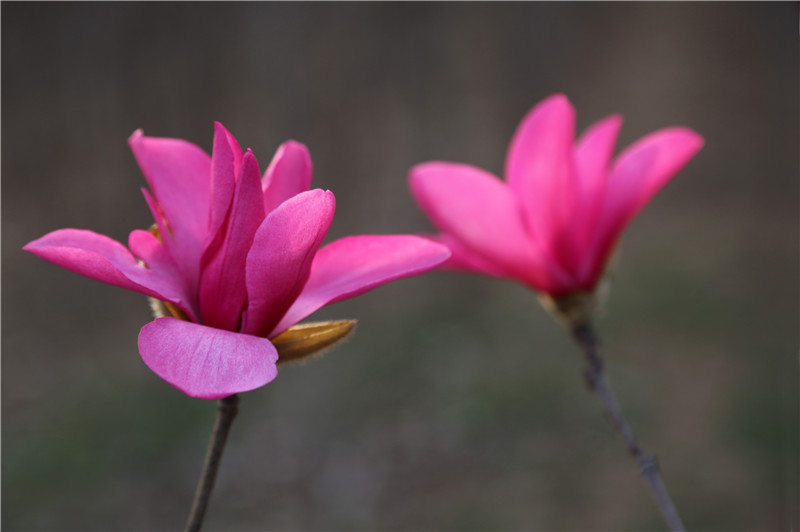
(458, 405)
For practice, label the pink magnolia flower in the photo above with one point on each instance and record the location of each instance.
(554, 222)
(237, 254)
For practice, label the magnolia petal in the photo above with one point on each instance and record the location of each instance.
(223, 290)
(161, 223)
(540, 169)
(279, 260)
(638, 174)
(204, 362)
(464, 259)
(593, 155)
(179, 174)
(482, 213)
(146, 246)
(100, 258)
(353, 265)
(288, 174)
(226, 159)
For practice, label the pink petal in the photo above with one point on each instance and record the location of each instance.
(145, 246)
(464, 259)
(223, 291)
(280, 259)
(638, 174)
(178, 173)
(205, 362)
(540, 169)
(351, 266)
(288, 174)
(226, 159)
(482, 213)
(593, 155)
(103, 259)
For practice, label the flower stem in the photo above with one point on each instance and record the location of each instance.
(648, 464)
(228, 407)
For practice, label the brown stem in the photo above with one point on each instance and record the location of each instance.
(228, 408)
(648, 464)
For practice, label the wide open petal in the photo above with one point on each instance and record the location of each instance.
(100, 258)
(638, 174)
(482, 213)
(205, 362)
(279, 261)
(353, 265)
(223, 291)
(288, 174)
(540, 168)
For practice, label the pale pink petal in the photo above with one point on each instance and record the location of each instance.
(351, 266)
(540, 169)
(280, 259)
(204, 362)
(100, 258)
(481, 212)
(638, 174)
(179, 175)
(288, 174)
(223, 291)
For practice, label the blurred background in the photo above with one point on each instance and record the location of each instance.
(459, 403)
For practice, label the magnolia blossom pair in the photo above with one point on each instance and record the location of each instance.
(237, 257)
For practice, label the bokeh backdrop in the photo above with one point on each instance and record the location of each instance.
(459, 403)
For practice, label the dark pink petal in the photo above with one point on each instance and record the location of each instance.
(288, 174)
(204, 362)
(638, 174)
(223, 292)
(179, 174)
(103, 259)
(482, 213)
(351, 266)
(280, 259)
(226, 159)
(540, 169)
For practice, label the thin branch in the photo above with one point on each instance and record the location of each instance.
(648, 464)
(227, 410)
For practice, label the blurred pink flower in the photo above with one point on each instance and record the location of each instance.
(554, 222)
(237, 254)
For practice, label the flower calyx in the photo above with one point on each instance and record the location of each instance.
(306, 340)
(573, 310)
